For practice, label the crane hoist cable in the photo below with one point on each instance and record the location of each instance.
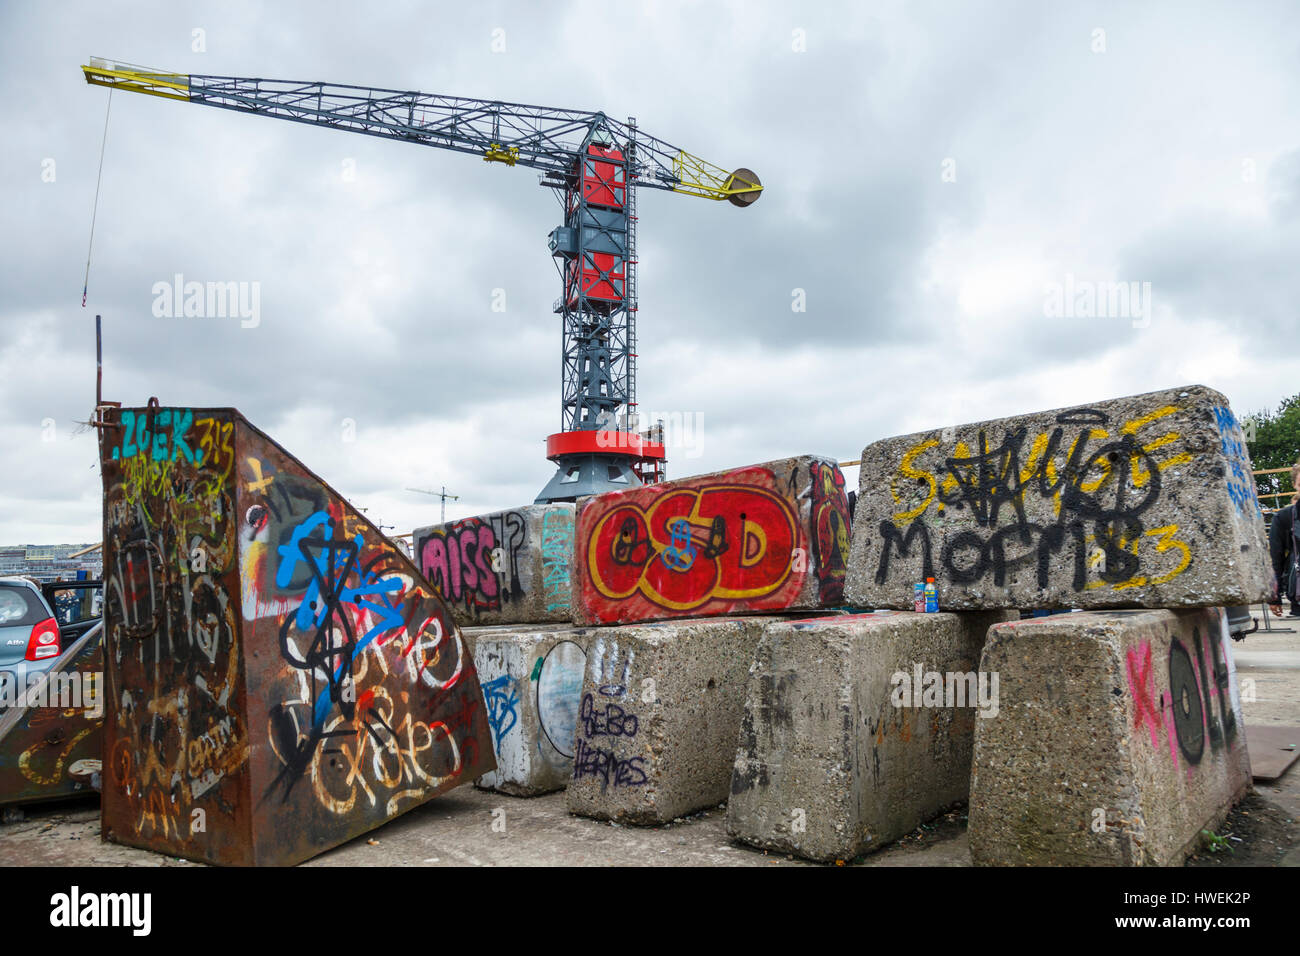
(94, 209)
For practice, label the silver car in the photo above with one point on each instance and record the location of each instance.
(30, 641)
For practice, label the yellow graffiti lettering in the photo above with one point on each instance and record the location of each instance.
(949, 485)
(907, 471)
(1133, 424)
(1165, 541)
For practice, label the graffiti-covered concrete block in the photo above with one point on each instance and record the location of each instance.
(532, 685)
(503, 568)
(1145, 501)
(657, 722)
(280, 676)
(857, 729)
(763, 538)
(1119, 738)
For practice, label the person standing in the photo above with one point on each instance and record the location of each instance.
(1283, 538)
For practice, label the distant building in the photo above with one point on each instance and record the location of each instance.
(51, 562)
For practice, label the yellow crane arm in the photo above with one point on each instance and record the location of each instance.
(699, 177)
(137, 79)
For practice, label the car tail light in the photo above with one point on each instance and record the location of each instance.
(44, 641)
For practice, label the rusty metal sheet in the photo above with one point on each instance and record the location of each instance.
(51, 740)
(281, 677)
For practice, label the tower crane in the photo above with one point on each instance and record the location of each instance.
(593, 163)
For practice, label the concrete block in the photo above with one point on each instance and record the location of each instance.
(532, 686)
(1141, 501)
(1120, 738)
(503, 568)
(841, 751)
(657, 723)
(763, 538)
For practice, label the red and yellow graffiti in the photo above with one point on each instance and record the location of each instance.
(831, 521)
(719, 542)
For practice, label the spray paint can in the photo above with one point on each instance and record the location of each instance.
(931, 597)
(918, 598)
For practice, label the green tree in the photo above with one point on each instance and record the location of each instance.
(1275, 443)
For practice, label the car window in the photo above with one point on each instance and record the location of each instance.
(74, 605)
(18, 606)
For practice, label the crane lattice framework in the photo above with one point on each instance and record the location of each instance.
(593, 163)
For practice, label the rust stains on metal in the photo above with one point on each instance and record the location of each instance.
(282, 678)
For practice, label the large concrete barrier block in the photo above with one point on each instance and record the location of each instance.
(1119, 739)
(841, 751)
(281, 678)
(532, 686)
(1141, 501)
(758, 539)
(658, 719)
(503, 568)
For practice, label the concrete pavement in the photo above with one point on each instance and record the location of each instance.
(457, 829)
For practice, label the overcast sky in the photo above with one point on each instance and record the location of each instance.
(930, 171)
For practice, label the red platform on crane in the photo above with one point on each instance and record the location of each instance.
(605, 442)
